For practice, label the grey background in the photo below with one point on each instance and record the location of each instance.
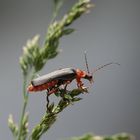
(111, 32)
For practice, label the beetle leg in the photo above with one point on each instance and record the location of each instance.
(63, 92)
(79, 83)
(65, 87)
(53, 90)
(47, 99)
(66, 84)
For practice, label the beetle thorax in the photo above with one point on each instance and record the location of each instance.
(80, 73)
(83, 74)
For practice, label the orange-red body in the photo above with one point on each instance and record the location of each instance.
(32, 88)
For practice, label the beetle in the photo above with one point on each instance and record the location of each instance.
(52, 81)
(55, 79)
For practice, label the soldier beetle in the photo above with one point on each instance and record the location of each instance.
(52, 81)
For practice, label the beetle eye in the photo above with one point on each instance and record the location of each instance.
(90, 77)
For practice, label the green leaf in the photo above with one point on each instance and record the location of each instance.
(76, 99)
(68, 31)
(67, 96)
(76, 92)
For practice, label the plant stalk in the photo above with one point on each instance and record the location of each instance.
(24, 107)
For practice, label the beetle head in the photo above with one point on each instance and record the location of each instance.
(85, 75)
(89, 77)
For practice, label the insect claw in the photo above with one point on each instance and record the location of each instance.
(83, 89)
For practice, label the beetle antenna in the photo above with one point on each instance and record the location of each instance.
(95, 70)
(85, 54)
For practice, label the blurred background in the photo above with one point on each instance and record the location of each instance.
(110, 32)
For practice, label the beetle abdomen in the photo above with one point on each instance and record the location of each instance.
(45, 86)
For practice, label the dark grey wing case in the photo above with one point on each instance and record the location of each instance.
(62, 74)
